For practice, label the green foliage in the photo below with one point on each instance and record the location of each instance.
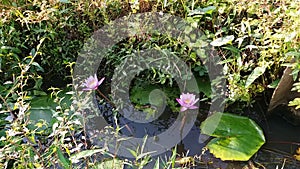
(40, 41)
(86, 153)
(222, 41)
(295, 65)
(142, 94)
(113, 163)
(295, 102)
(237, 138)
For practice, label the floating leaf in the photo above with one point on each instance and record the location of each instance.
(42, 108)
(222, 41)
(237, 137)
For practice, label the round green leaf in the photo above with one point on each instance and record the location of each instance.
(237, 137)
(42, 108)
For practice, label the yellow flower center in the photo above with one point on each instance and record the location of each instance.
(187, 101)
(92, 83)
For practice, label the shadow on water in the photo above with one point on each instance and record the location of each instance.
(283, 139)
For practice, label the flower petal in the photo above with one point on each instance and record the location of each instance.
(193, 107)
(195, 101)
(95, 77)
(100, 82)
(183, 109)
(180, 101)
(86, 89)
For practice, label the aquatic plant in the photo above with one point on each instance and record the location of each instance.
(92, 83)
(187, 101)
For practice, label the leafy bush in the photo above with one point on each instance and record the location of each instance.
(40, 41)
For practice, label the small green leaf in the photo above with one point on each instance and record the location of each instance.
(65, 162)
(39, 68)
(64, 1)
(133, 153)
(173, 157)
(222, 41)
(237, 138)
(274, 84)
(85, 153)
(201, 11)
(293, 54)
(295, 102)
(111, 164)
(156, 165)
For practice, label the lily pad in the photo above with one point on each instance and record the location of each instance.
(140, 94)
(42, 108)
(236, 138)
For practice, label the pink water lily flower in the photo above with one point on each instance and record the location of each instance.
(92, 83)
(187, 101)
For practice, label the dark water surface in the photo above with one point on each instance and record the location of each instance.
(282, 139)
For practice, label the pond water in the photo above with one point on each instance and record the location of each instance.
(279, 149)
(282, 141)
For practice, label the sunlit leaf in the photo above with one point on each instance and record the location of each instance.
(64, 1)
(236, 137)
(156, 165)
(293, 54)
(222, 41)
(274, 84)
(85, 153)
(201, 11)
(295, 102)
(111, 164)
(258, 71)
(65, 162)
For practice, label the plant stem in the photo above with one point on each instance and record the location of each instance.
(111, 103)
